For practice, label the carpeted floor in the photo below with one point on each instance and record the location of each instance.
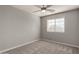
(42, 47)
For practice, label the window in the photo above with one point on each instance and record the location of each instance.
(55, 25)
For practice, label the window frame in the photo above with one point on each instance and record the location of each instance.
(55, 26)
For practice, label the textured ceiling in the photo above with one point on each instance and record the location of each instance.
(57, 8)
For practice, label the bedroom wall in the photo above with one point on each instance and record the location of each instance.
(17, 27)
(70, 35)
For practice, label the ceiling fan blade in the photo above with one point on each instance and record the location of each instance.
(50, 10)
(39, 6)
(36, 11)
(48, 6)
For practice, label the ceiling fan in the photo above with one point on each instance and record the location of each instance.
(44, 8)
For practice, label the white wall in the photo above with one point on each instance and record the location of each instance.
(70, 35)
(17, 27)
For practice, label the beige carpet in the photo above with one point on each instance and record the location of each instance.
(42, 47)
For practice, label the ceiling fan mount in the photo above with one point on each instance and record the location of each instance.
(43, 8)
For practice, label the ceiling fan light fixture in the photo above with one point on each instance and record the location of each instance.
(43, 11)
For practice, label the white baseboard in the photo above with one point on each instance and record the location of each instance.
(17, 46)
(67, 44)
(72, 45)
